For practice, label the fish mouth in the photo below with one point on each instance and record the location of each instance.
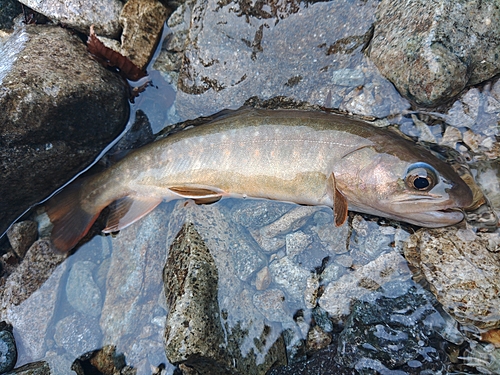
(435, 218)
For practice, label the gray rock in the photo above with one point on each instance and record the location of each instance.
(81, 290)
(79, 14)
(142, 22)
(134, 285)
(471, 295)
(38, 265)
(272, 305)
(255, 213)
(21, 236)
(235, 50)
(291, 278)
(35, 368)
(24, 294)
(77, 334)
(8, 349)
(60, 109)
(339, 294)
(432, 50)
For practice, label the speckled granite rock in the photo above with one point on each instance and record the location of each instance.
(142, 22)
(60, 108)
(79, 14)
(471, 295)
(431, 50)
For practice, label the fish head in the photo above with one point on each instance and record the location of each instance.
(419, 188)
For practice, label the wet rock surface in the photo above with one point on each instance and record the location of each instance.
(21, 236)
(60, 108)
(36, 368)
(431, 51)
(79, 14)
(471, 295)
(234, 51)
(8, 349)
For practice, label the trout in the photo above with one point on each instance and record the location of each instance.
(310, 158)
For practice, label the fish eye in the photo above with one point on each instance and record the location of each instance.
(421, 177)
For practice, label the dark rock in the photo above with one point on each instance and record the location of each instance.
(9, 9)
(80, 15)
(431, 51)
(393, 327)
(60, 108)
(322, 362)
(8, 349)
(35, 368)
(105, 361)
(21, 236)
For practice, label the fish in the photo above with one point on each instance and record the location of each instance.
(305, 157)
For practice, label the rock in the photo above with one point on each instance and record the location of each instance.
(338, 295)
(317, 339)
(24, 293)
(36, 368)
(291, 278)
(262, 279)
(193, 332)
(134, 287)
(79, 14)
(77, 334)
(142, 22)
(251, 343)
(60, 109)
(266, 236)
(272, 305)
(395, 326)
(104, 361)
(253, 213)
(9, 9)
(232, 47)
(432, 51)
(21, 236)
(81, 290)
(38, 265)
(8, 349)
(471, 295)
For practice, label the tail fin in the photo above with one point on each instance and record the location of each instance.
(71, 222)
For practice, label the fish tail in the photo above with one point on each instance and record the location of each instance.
(70, 220)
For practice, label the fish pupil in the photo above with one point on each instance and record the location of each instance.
(421, 183)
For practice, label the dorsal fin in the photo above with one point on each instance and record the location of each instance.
(340, 205)
(128, 210)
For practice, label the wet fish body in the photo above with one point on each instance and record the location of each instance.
(310, 158)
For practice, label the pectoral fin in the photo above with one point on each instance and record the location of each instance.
(201, 195)
(339, 202)
(128, 210)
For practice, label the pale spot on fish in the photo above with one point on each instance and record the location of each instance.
(256, 153)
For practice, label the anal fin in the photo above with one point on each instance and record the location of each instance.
(340, 205)
(128, 210)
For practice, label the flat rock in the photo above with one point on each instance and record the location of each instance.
(235, 50)
(432, 50)
(471, 295)
(60, 109)
(21, 236)
(80, 14)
